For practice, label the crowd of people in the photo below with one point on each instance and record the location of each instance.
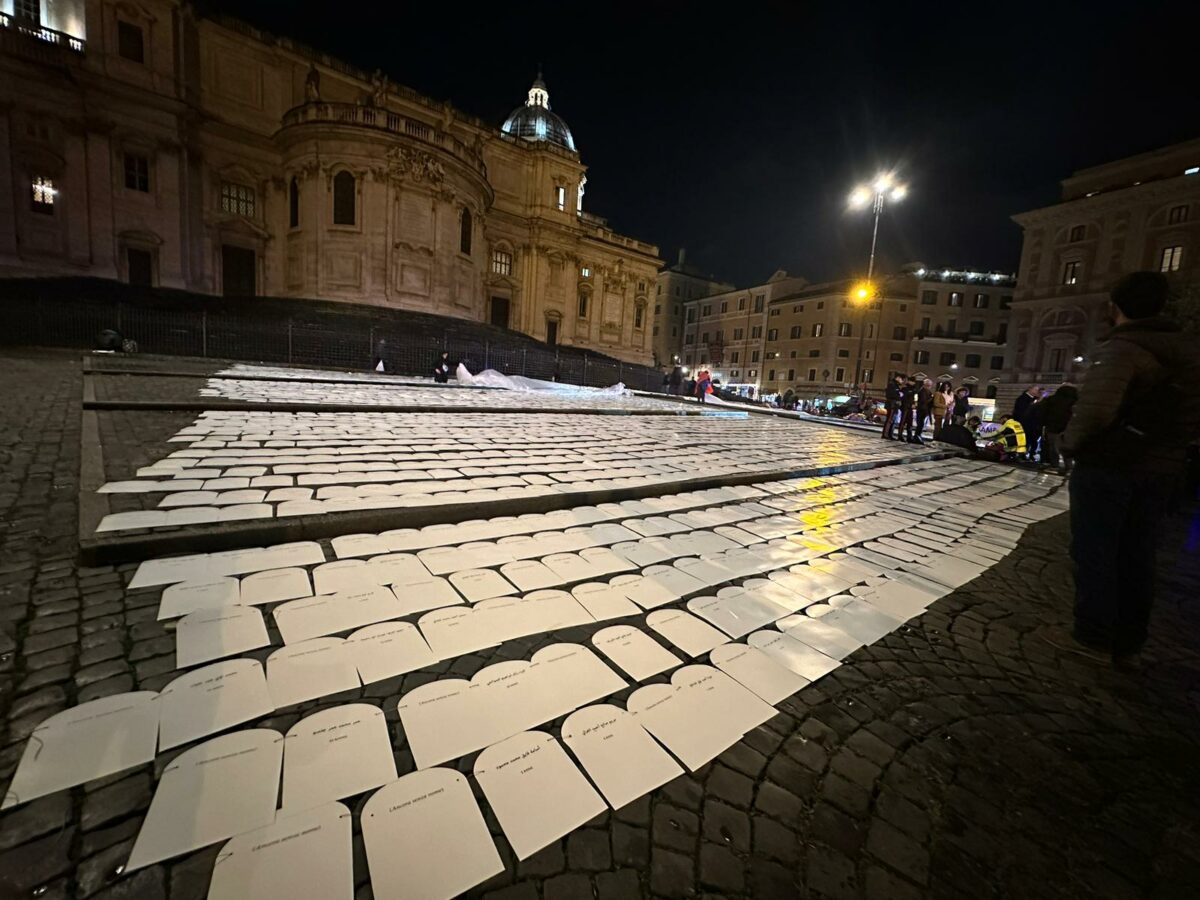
(911, 404)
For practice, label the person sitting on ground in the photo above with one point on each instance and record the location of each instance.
(1009, 441)
(441, 369)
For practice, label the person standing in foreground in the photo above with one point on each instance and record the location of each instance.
(962, 406)
(908, 401)
(924, 405)
(703, 384)
(1137, 411)
(892, 397)
(940, 407)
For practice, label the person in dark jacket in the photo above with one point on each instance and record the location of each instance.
(1026, 400)
(441, 368)
(924, 402)
(1022, 412)
(908, 404)
(962, 406)
(892, 400)
(1137, 412)
(1053, 413)
(675, 380)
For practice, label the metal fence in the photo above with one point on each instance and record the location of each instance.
(72, 312)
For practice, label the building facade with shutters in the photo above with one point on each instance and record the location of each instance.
(1138, 213)
(143, 142)
(676, 285)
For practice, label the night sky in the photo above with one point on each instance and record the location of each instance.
(738, 131)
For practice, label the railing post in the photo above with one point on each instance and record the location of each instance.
(289, 339)
(120, 306)
(524, 353)
(585, 359)
(204, 332)
(487, 354)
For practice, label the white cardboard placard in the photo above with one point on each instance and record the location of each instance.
(604, 561)
(223, 787)
(795, 655)
(572, 676)
(343, 575)
(301, 620)
(603, 601)
(634, 652)
(336, 753)
(89, 741)
(170, 570)
(426, 839)
(309, 670)
(530, 575)
(693, 636)
(302, 854)
(189, 596)
(756, 671)
(458, 630)
(736, 611)
(207, 700)
(422, 594)
(617, 753)
(480, 584)
(349, 545)
(536, 792)
(445, 719)
(210, 634)
(831, 641)
(274, 586)
(387, 649)
(296, 553)
(862, 621)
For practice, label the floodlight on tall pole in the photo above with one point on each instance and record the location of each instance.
(882, 190)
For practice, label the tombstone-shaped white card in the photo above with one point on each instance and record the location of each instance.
(209, 634)
(210, 699)
(690, 634)
(604, 601)
(421, 593)
(307, 853)
(350, 545)
(480, 584)
(89, 741)
(458, 630)
(795, 655)
(301, 620)
(617, 753)
(343, 575)
(757, 671)
(536, 792)
(387, 649)
(634, 652)
(572, 676)
(604, 561)
(530, 575)
(172, 569)
(274, 586)
(446, 719)
(310, 669)
(335, 753)
(832, 641)
(647, 593)
(213, 791)
(189, 596)
(426, 839)
(736, 611)
(862, 621)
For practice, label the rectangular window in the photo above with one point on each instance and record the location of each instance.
(560, 197)
(655, 332)
(951, 327)
(955, 299)
(776, 311)
(791, 374)
(733, 357)
(1077, 233)
(706, 309)
(868, 375)
(771, 375)
(820, 304)
(689, 339)
(734, 374)
(921, 356)
(1002, 334)
(896, 357)
(754, 356)
(585, 272)
(502, 262)
(724, 306)
(741, 303)
(843, 329)
(137, 172)
(946, 359)
(43, 194)
(1006, 301)
(1172, 259)
(1177, 215)
(676, 290)
(738, 333)
(976, 327)
(843, 353)
(818, 329)
(639, 314)
(1071, 272)
(29, 10)
(929, 298)
(812, 374)
(674, 330)
(997, 363)
(1057, 358)
(926, 325)
(981, 301)
(839, 374)
(753, 373)
(773, 334)
(704, 337)
(899, 333)
(758, 302)
(139, 266)
(756, 331)
(237, 199)
(814, 354)
(657, 308)
(691, 314)
(870, 330)
(658, 290)
(797, 331)
(973, 360)
(130, 43)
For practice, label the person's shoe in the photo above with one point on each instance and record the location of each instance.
(1061, 639)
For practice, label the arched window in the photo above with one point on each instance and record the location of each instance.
(639, 313)
(344, 198)
(294, 204)
(464, 231)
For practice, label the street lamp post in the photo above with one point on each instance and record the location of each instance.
(877, 194)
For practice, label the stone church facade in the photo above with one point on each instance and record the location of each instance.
(143, 142)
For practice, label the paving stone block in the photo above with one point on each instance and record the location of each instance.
(675, 828)
(846, 795)
(672, 874)
(732, 787)
(635, 813)
(118, 684)
(630, 845)
(831, 826)
(745, 759)
(619, 885)
(37, 863)
(115, 801)
(855, 769)
(547, 861)
(829, 873)
(190, 876)
(720, 869)
(34, 819)
(571, 886)
(588, 850)
(53, 697)
(144, 884)
(897, 850)
(778, 802)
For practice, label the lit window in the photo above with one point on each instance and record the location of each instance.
(345, 200)
(1077, 233)
(583, 306)
(1172, 258)
(44, 193)
(868, 374)
(1071, 273)
(130, 44)
(639, 313)
(981, 301)
(818, 329)
(773, 334)
(921, 356)
(137, 172)
(502, 262)
(1177, 215)
(237, 199)
(844, 329)
(585, 272)
(560, 197)
(955, 299)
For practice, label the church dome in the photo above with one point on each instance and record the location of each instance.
(535, 122)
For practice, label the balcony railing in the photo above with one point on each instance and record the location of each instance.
(24, 32)
(320, 111)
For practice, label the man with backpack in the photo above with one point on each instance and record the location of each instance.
(1137, 411)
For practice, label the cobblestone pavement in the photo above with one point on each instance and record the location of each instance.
(958, 757)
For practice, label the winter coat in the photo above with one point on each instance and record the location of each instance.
(940, 405)
(1021, 406)
(924, 398)
(962, 406)
(1138, 407)
(892, 395)
(1054, 412)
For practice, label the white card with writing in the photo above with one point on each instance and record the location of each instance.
(88, 741)
(300, 620)
(604, 601)
(446, 719)
(833, 642)
(795, 655)
(211, 792)
(210, 634)
(309, 670)
(757, 671)
(617, 753)
(336, 753)
(691, 635)
(423, 593)
(210, 699)
(481, 584)
(274, 586)
(388, 649)
(189, 596)
(634, 652)
(536, 792)
(426, 839)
